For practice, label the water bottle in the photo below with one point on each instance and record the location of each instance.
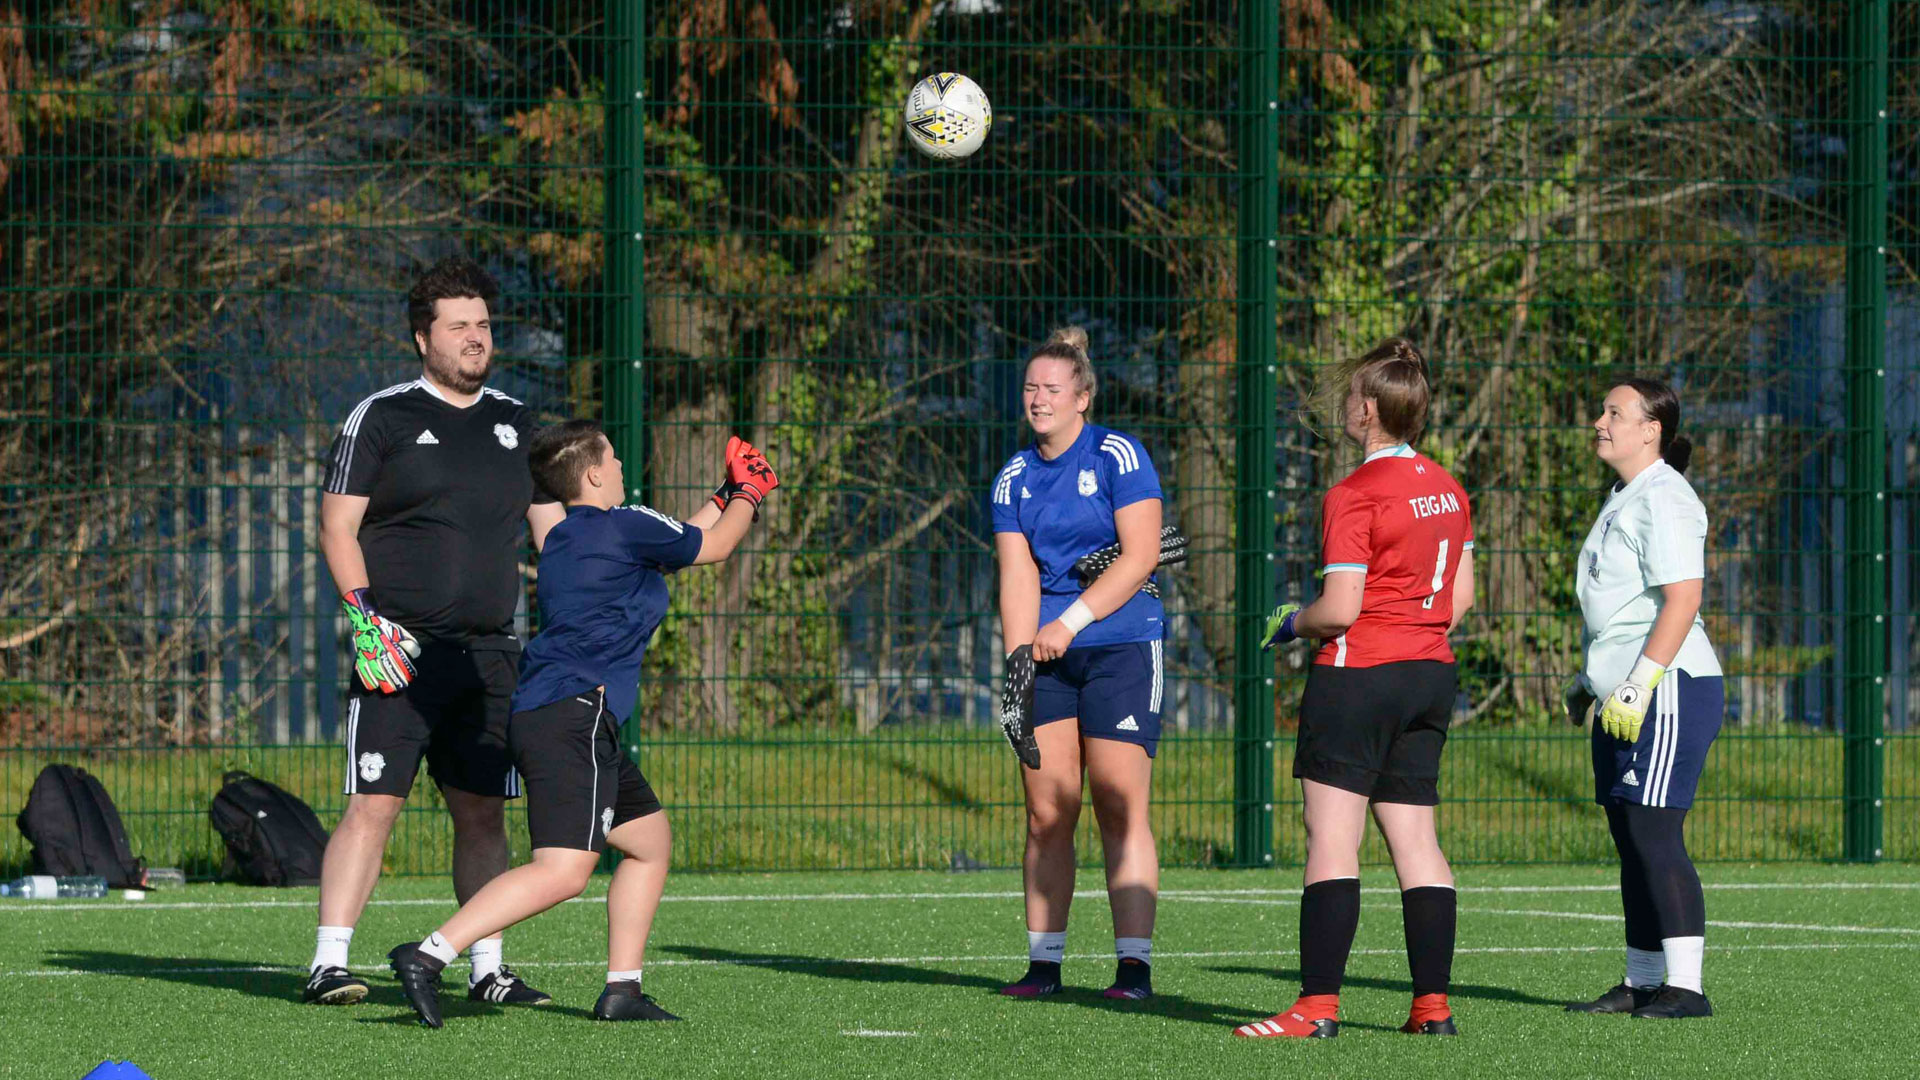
(165, 877)
(48, 887)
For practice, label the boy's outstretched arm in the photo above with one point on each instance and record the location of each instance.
(718, 540)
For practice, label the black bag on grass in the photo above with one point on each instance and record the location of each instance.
(75, 830)
(272, 837)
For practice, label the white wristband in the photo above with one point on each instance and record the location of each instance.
(1077, 617)
(1646, 673)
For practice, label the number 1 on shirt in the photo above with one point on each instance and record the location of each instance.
(1439, 575)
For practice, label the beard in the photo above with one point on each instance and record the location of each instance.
(446, 371)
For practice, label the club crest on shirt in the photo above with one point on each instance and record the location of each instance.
(1088, 483)
(508, 437)
(606, 820)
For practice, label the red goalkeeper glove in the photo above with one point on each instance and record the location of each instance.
(749, 475)
(383, 651)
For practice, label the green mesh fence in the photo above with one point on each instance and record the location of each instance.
(708, 221)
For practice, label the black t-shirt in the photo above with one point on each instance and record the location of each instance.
(448, 491)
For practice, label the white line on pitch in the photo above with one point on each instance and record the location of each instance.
(864, 1033)
(824, 961)
(1726, 924)
(1006, 894)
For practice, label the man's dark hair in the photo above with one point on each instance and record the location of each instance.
(560, 455)
(451, 277)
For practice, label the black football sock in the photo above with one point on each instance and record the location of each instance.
(1329, 917)
(1429, 913)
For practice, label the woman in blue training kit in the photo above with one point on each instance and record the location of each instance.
(1097, 657)
(1648, 660)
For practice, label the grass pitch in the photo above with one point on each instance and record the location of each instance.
(1813, 971)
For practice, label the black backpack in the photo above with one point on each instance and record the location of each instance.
(75, 830)
(272, 837)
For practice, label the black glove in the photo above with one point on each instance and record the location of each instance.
(1173, 550)
(1016, 706)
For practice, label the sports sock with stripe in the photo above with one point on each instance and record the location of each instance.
(1429, 914)
(485, 955)
(1046, 946)
(330, 947)
(1133, 948)
(1329, 917)
(624, 976)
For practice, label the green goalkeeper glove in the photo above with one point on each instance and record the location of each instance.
(383, 651)
(1279, 629)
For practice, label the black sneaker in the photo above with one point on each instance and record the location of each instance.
(420, 978)
(1042, 978)
(1429, 1027)
(1132, 981)
(624, 1001)
(1621, 999)
(1674, 1003)
(334, 986)
(503, 987)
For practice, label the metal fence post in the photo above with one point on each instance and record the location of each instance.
(1866, 451)
(1259, 99)
(624, 386)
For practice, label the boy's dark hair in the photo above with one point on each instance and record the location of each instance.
(451, 277)
(560, 455)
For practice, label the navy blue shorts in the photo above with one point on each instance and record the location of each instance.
(1662, 768)
(1115, 691)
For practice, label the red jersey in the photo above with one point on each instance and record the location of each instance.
(1404, 522)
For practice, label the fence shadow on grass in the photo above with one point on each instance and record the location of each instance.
(1172, 1006)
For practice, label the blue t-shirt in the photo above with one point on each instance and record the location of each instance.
(1064, 508)
(601, 596)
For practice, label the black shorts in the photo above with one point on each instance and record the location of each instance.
(453, 713)
(580, 786)
(1376, 731)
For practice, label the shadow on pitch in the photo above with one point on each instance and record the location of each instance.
(1457, 990)
(1172, 1006)
(263, 981)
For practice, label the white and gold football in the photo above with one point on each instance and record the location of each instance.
(948, 116)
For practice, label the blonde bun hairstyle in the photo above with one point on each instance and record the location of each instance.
(1069, 343)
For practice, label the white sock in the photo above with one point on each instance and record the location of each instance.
(624, 976)
(485, 955)
(1047, 945)
(1133, 948)
(1684, 956)
(330, 947)
(1645, 969)
(436, 946)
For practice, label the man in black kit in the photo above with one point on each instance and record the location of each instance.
(422, 523)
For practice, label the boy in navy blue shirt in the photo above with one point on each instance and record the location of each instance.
(602, 593)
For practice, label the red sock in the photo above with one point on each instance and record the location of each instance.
(1429, 1007)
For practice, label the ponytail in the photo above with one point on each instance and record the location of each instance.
(1678, 453)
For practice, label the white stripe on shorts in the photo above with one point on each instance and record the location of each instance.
(1154, 704)
(353, 732)
(1666, 701)
(593, 737)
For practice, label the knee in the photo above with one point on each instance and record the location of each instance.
(371, 812)
(478, 817)
(1052, 819)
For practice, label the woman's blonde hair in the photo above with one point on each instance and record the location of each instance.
(1393, 374)
(1069, 343)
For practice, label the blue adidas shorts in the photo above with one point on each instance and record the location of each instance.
(1663, 767)
(1115, 690)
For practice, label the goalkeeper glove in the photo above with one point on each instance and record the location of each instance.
(1579, 701)
(1016, 706)
(1626, 707)
(1280, 626)
(383, 651)
(1173, 551)
(749, 473)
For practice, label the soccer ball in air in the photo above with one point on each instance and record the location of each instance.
(948, 116)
